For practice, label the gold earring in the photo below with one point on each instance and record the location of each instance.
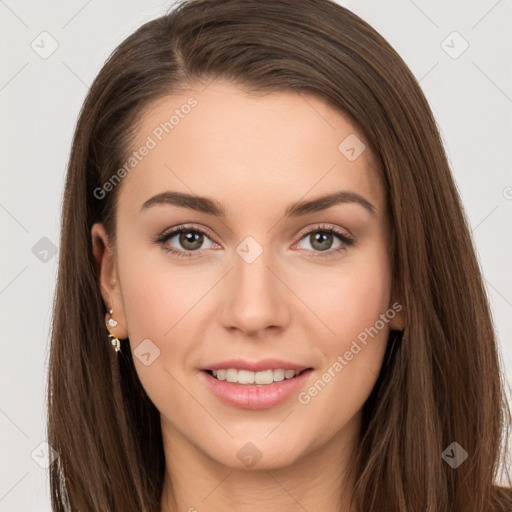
(116, 343)
(111, 321)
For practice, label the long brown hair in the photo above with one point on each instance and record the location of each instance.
(440, 382)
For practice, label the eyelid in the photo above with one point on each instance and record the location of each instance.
(324, 226)
(187, 226)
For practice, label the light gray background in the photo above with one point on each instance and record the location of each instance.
(471, 96)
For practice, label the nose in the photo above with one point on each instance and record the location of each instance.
(255, 298)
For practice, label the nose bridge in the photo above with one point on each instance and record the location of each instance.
(255, 298)
(252, 277)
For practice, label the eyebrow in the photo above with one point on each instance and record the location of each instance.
(212, 207)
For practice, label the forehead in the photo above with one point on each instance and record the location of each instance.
(248, 149)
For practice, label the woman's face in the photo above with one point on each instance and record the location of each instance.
(264, 280)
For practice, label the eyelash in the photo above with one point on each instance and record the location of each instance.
(346, 241)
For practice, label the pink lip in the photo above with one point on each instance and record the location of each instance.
(254, 396)
(256, 366)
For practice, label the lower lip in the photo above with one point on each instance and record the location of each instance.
(257, 396)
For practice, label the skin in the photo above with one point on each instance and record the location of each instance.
(255, 154)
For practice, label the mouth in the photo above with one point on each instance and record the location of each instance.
(258, 390)
(247, 377)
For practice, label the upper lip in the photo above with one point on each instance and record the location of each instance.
(257, 366)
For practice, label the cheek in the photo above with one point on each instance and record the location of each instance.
(159, 305)
(156, 295)
(351, 298)
(353, 306)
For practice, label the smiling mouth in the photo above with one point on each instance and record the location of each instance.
(265, 377)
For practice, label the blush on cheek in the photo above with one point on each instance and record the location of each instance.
(356, 307)
(151, 302)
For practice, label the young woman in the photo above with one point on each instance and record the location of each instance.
(268, 297)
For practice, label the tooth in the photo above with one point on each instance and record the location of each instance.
(278, 375)
(234, 375)
(231, 375)
(245, 377)
(265, 377)
(288, 374)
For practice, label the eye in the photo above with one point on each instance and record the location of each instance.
(189, 239)
(183, 241)
(321, 240)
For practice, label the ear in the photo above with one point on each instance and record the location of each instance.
(108, 280)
